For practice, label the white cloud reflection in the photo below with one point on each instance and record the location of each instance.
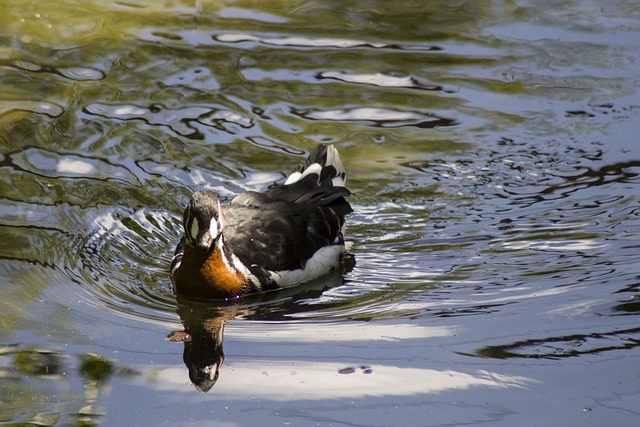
(296, 41)
(377, 79)
(76, 166)
(349, 332)
(305, 380)
(286, 379)
(569, 245)
(365, 113)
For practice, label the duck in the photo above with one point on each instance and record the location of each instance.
(290, 234)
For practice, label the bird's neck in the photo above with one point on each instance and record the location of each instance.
(210, 274)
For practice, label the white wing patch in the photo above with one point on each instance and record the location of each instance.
(322, 262)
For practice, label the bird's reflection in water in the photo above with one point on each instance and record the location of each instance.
(202, 337)
(203, 322)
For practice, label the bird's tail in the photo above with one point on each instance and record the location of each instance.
(325, 165)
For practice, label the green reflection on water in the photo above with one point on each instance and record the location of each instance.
(36, 387)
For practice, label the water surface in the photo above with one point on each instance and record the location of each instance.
(492, 149)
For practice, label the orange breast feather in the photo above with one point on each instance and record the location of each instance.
(205, 275)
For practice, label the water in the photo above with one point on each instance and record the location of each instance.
(493, 155)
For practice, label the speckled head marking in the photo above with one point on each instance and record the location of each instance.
(203, 220)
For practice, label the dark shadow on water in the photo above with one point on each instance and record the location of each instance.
(204, 321)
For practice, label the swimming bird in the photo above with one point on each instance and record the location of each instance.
(290, 234)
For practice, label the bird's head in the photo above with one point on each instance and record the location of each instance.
(203, 220)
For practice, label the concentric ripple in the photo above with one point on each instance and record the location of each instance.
(125, 263)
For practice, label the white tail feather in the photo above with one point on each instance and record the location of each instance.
(333, 159)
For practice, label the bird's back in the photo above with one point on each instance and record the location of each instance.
(282, 228)
(290, 234)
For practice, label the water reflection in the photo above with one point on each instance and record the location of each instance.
(202, 337)
(565, 346)
(520, 213)
(204, 320)
(36, 388)
(71, 73)
(38, 107)
(298, 379)
(315, 42)
(378, 117)
(379, 79)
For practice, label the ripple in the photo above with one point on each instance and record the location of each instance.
(249, 14)
(38, 107)
(81, 73)
(27, 66)
(513, 235)
(379, 79)
(120, 265)
(299, 41)
(218, 118)
(379, 116)
(530, 173)
(71, 73)
(124, 264)
(321, 42)
(180, 120)
(55, 165)
(200, 38)
(565, 346)
(166, 35)
(198, 78)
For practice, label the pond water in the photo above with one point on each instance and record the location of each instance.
(493, 151)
